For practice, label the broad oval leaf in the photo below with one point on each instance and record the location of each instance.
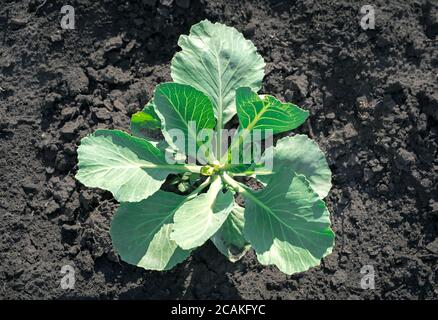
(259, 118)
(188, 110)
(303, 156)
(140, 232)
(287, 224)
(198, 219)
(217, 60)
(267, 113)
(229, 239)
(130, 168)
(146, 119)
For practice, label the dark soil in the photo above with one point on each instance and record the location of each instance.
(373, 98)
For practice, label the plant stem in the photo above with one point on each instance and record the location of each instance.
(219, 135)
(220, 112)
(238, 139)
(192, 168)
(177, 167)
(244, 190)
(201, 187)
(233, 183)
(250, 173)
(245, 131)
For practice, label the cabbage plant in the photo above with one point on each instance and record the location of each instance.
(179, 192)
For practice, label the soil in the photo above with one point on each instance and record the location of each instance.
(373, 99)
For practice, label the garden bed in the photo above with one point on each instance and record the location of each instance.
(373, 102)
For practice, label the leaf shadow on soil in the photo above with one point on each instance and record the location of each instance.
(202, 276)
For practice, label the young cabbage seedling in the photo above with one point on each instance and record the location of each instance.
(216, 75)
